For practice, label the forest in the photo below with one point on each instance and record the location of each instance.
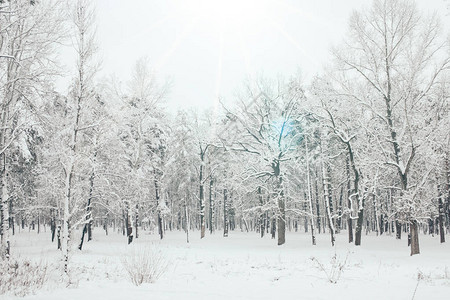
(361, 150)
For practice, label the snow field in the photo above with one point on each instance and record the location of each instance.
(244, 266)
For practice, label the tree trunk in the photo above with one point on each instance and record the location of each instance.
(160, 223)
(58, 236)
(328, 198)
(128, 224)
(136, 220)
(414, 237)
(211, 207)
(313, 237)
(281, 213)
(225, 213)
(186, 218)
(339, 211)
(273, 228)
(318, 204)
(261, 216)
(5, 239)
(202, 202)
(359, 221)
(65, 239)
(52, 224)
(87, 228)
(441, 212)
(349, 203)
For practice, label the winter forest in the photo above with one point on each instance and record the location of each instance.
(336, 185)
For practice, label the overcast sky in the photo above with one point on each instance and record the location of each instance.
(208, 47)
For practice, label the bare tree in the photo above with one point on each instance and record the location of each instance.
(395, 55)
(83, 18)
(266, 127)
(28, 34)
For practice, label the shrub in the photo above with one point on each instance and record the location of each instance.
(334, 271)
(21, 277)
(144, 264)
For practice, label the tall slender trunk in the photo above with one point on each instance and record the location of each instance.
(354, 193)
(65, 238)
(281, 212)
(375, 213)
(261, 215)
(316, 185)
(211, 206)
(186, 218)
(202, 200)
(6, 130)
(359, 221)
(441, 212)
(225, 213)
(339, 211)
(5, 239)
(327, 200)
(313, 237)
(87, 228)
(52, 224)
(160, 222)
(89, 219)
(136, 220)
(128, 225)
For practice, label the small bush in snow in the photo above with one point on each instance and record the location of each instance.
(144, 264)
(21, 277)
(335, 269)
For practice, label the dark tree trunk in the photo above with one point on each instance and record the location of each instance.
(86, 227)
(39, 223)
(211, 207)
(136, 221)
(262, 213)
(282, 213)
(414, 237)
(225, 213)
(273, 228)
(105, 225)
(52, 224)
(129, 226)
(11, 216)
(89, 218)
(339, 211)
(349, 203)
(159, 217)
(359, 221)
(80, 246)
(398, 230)
(58, 235)
(441, 214)
(317, 205)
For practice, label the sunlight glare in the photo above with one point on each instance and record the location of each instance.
(230, 16)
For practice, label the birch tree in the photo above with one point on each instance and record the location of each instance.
(82, 92)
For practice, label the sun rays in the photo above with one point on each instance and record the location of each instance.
(235, 25)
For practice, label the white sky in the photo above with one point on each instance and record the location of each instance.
(208, 47)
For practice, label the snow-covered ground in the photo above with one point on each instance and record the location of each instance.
(244, 266)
